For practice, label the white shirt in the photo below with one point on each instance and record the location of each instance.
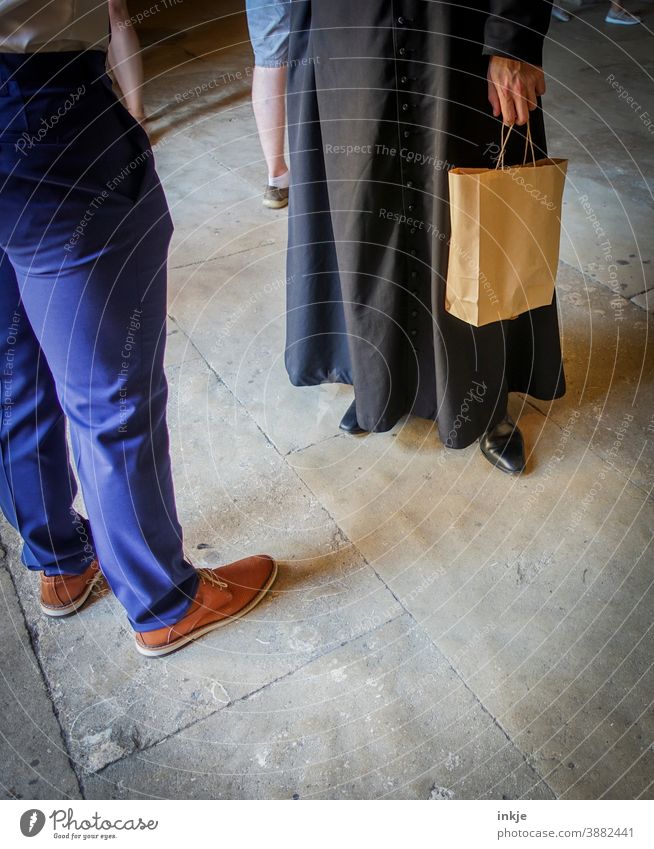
(53, 25)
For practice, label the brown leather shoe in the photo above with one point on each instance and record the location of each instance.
(62, 595)
(224, 595)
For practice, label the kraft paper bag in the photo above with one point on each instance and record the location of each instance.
(506, 230)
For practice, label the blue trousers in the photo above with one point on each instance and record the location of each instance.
(84, 235)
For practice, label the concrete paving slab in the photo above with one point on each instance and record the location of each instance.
(33, 758)
(181, 97)
(184, 169)
(537, 588)
(179, 348)
(607, 233)
(644, 301)
(234, 143)
(599, 116)
(609, 363)
(619, 158)
(234, 310)
(196, 61)
(214, 211)
(382, 717)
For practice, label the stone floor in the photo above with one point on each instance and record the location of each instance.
(438, 630)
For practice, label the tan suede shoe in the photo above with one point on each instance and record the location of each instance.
(62, 595)
(224, 595)
(275, 198)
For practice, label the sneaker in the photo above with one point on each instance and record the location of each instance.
(622, 18)
(560, 14)
(62, 595)
(224, 595)
(275, 198)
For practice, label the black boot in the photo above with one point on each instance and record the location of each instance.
(504, 447)
(349, 421)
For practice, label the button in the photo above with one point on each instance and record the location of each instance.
(404, 80)
(413, 253)
(414, 313)
(411, 207)
(401, 21)
(402, 51)
(405, 107)
(413, 230)
(409, 184)
(414, 274)
(414, 291)
(406, 134)
(414, 332)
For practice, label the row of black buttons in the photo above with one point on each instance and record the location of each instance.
(411, 201)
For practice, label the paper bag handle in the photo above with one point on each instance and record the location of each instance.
(528, 144)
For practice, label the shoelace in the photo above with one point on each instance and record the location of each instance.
(209, 575)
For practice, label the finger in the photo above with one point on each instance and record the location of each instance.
(521, 105)
(532, 102)
(506, 103)
(518, 95)
(494, 99)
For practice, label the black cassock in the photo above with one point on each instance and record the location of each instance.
(384, 96)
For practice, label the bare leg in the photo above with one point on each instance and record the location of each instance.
(124, 57)
(269, 104)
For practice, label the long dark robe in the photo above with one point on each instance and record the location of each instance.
(384, 96)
